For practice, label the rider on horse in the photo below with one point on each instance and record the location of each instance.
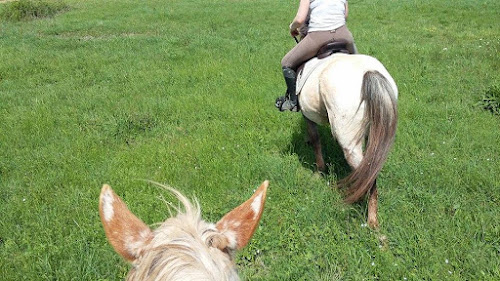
(324, 22)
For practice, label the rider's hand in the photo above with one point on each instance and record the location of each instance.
(293, 29)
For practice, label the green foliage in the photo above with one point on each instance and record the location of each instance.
(491, 100)
(182, 93)
(30, 9)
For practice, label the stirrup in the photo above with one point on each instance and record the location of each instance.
(289, 105)
(279, 101)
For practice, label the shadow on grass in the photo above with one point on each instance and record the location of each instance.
(332, 152)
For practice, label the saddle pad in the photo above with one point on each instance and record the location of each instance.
(305, 71)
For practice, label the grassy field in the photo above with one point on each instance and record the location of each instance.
(182, 93)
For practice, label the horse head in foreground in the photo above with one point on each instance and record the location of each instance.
(357, 96)
(184, 247)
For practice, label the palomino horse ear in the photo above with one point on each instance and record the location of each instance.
(240, 224)
(125, 232)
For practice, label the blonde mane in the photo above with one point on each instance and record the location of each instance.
(179, 252)
(184, 247)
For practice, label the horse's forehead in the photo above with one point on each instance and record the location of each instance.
(179, 227)
(177, 233)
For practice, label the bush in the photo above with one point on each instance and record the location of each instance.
(30, 9)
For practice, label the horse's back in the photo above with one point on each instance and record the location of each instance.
(340, 82)
(348, 70)
(335, 88)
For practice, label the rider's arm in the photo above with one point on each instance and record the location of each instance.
(300, 18)
(346, 10)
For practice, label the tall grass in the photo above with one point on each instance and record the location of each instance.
(30, 9)
(182, 92)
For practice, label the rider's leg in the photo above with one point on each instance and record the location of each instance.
(303, 51)
(291, 100)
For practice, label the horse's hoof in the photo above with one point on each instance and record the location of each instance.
(321, 168)
(373, 224)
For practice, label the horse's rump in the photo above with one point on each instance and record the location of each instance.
(379, 129)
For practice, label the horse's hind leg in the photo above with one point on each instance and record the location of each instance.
(372, 207)
(354, 155)
(312, 131)
(346, 135)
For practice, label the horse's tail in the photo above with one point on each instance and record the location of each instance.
(379, 129)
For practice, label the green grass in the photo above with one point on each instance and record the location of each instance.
(30, 9)
(182, 93)
(491, 100)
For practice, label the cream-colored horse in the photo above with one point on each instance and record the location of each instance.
(357, 96)
(184, 247)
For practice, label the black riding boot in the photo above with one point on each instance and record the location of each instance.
(290, 101)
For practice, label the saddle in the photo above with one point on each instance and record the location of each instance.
(308, 67)
(331, 48)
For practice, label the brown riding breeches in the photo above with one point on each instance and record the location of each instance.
(308, 47)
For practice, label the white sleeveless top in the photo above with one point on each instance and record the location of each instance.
(326, 14)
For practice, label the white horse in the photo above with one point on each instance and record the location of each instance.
(357, 96)
(184, 247)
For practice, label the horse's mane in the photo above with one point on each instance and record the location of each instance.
(181, 249)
